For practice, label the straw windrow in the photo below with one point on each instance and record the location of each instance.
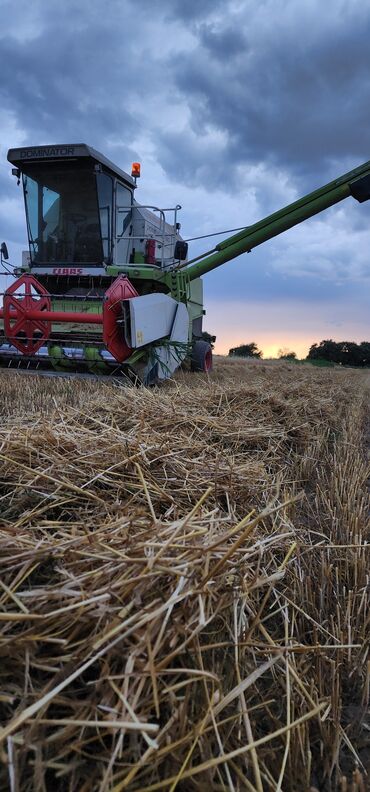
(184, 583)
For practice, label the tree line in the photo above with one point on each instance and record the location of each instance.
(343, 353)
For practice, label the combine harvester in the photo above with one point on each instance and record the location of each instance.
(107, 288)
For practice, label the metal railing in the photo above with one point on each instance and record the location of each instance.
(164, 237)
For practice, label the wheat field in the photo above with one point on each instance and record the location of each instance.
(184, 587)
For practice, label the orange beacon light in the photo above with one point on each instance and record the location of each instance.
(135, 170)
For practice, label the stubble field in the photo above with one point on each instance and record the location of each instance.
(184, 584)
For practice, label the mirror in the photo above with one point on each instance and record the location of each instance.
(181, 250)
(4, 251)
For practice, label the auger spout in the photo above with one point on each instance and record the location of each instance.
(356, 183)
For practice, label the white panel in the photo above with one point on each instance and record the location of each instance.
(169, 356)
(151, 318)
(180, 328)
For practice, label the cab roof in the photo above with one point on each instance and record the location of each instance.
(65, 151)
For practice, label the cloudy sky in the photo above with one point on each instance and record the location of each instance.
(234, 108)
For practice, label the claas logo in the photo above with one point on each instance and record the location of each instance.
(67, 271)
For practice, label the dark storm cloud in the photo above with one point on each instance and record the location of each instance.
(291, 94)
(228, 41)
(69, 72)
(192, 9)
(277, 85)
(247, 98)
(186, 10)
(57, 83)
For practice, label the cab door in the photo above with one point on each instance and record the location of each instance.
(124, 242)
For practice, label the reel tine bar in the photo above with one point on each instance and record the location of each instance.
(26, 334)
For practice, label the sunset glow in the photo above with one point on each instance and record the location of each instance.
(282, 326)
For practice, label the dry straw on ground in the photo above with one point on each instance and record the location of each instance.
(183, 590)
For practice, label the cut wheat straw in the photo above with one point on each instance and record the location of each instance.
(184, 583)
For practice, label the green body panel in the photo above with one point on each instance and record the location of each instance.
(141, 272)
(68, 304)
(91, 354)
(57, 359)
(195, 302)
(95, 364)
(177, 282)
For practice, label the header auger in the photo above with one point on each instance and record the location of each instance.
(107, 287)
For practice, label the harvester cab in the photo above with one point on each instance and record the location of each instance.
(92, 248)
(107, 287)
(81, 213)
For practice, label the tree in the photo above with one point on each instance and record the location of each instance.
(344, 353)
(246, 350)
(209, 338)
(365, 352)
(325, 350)
(350, 354)
(285, 354)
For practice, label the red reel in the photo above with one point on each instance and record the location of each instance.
(25, 295)
(113, 337)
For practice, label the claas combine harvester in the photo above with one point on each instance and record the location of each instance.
(107, 287)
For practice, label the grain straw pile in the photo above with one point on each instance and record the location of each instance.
(183, 600)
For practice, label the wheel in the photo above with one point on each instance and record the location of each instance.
(201, 357)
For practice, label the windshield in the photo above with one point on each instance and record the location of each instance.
(63, 215)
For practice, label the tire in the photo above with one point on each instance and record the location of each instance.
(201, 357)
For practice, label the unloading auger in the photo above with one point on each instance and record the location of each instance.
(107, 287)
